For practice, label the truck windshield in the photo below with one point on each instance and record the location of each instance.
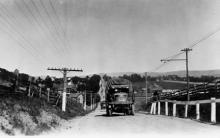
(116, 90)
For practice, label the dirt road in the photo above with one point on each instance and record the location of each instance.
(142, 123)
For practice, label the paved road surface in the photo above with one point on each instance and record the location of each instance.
(142, 123)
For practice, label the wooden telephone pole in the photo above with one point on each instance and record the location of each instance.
(64, 71)
(186, 50)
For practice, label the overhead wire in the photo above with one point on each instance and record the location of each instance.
(29, 20)
(15, 31)
(45, 26)
(42, 29)
(192, 46)
(52, 23)
(58, 19)
(59, 26)
(67, 24)
(20, 42)
(204, 38)
(22, 45)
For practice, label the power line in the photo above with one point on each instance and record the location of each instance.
(165, 63)
(13, 29)
(205, 38)
(174, 56)
(58, 20)
(57, 16)
(192, 46)
(26, 17)
(50, 19)
(45, 26)
(67, 24)
(36, 20)
(62, 29)
(23, 46)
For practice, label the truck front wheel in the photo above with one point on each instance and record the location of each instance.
(132, 109)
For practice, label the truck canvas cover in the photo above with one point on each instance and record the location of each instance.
(118, 83)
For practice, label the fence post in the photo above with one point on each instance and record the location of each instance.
(166, 107)
(155, 107)
(48, 95)
(90, 101)
(32, 93)
(213, 110)
(151, 108)
(29, 91)
(174, 108)
(93, 106)
(40, 92)
(197, 111)
(85, 100)
(186, 110)
(158, 111)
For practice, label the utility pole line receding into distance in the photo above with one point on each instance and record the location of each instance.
(64, 71)
(186, 50)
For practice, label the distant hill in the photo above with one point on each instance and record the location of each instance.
(198, 73)
(181, 73)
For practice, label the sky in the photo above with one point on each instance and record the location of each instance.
(103, 36)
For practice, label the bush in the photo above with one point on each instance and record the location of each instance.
(25, 123)
(48, 119)
(5, 125)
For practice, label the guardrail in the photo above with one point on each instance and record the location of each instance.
(212, 101)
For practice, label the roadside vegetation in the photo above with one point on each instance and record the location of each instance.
(32, 116)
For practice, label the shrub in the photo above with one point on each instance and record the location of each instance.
(48, 119)
(5, 125)
(24, 120)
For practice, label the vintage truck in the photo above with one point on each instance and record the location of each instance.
(119, 97)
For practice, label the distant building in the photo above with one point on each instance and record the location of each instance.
(78, 97)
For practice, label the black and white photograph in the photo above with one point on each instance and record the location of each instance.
(110, 68)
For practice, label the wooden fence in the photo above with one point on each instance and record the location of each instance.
(156, 106)
(197, 92)
(53, 97)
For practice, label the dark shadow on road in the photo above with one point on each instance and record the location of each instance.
(113, 115)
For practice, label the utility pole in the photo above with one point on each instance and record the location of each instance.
(64, 71)
(85, 100)
(186, 50)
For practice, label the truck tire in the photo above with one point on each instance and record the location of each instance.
(108, 111)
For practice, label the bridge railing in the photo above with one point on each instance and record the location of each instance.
(156, 106)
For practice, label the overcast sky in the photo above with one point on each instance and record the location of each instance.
(107, 35)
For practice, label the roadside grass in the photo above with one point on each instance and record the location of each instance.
(32, 116)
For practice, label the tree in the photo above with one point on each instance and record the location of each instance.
(133, 77)
(48, 82)
(93, 83)
(23, 79)
(76, 79)
(106, 77)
